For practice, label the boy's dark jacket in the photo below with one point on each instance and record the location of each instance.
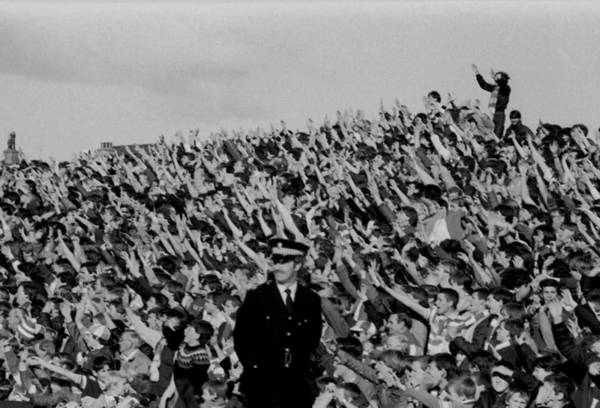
(587, 385)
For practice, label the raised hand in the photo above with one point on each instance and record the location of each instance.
(555, 308)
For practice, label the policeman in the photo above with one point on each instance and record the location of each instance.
(277, 328)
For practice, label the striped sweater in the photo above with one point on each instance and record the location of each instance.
(444, 328)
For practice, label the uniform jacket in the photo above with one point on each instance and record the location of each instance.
(274, 347)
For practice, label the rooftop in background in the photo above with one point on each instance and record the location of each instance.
(120, 149)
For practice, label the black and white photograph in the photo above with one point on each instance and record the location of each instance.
(299, 204)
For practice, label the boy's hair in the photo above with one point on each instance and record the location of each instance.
(481, 293)
(549, 283)
(562, 384)
(435, 95)
(581, 126)
(549, 362)
(514, 310)
(395, 360)
(422, 116)
(204, 329)
(445, 361)
(422, 360)
(515, 327)
(352, 346)
(560, 268)
(502, 295)
(219, 388)
(484, 360)
(464, 386)
(462, 278)
(412, 214)
(451, 295)
(512, 278)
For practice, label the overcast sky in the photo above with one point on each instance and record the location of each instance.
(73, 75)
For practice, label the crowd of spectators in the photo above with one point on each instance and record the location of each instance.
(456, 267)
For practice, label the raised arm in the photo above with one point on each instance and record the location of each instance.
(482, 83)
(407, 300)
(151, 337)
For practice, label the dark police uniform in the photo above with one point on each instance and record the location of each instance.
(274, 347)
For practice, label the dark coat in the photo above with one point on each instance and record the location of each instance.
(587, 318)
(587, 385)
(503, 93)
(483, 332)
(264, 331)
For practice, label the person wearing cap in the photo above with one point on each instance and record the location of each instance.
(277, 328)
(365, 330)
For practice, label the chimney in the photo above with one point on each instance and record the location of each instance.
(11, 155)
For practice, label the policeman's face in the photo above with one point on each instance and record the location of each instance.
(285, 272)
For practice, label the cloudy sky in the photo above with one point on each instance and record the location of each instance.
(75, 74)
